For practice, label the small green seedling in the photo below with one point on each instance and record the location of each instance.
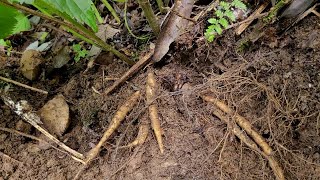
(223, 16)
(80, 53)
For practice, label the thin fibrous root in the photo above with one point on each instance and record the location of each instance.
(243, 123)
(153, 109)
(242, 136)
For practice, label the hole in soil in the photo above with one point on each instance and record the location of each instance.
(266, 135)
(295, 123)
(203, 2)
(135, 122)
(103, 152)
(295, 135)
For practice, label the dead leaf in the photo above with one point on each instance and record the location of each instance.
(174, 25)
(30, 64)
(55, 115)
(62, 57)
(105, 32)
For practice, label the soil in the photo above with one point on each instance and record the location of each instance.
(275, 85)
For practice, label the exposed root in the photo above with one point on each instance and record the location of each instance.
(141, 137)
(153, 109)
(245, 124)
(144, 60)
(115, 123)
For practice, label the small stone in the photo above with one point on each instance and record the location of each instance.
(30, 64)
(51, 163)
(33, 148)
(55, 115)
(3, 137)
(23, 127)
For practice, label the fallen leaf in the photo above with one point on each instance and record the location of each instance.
(30, 64)
(62, 57)
(55, 115)
(105, 32)
(174, 25)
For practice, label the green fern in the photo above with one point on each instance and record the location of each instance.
(220, 21)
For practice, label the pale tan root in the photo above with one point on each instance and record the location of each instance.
(277, 170)
(244, 26)
(243, 123)
(115, 123)
(141, 137)
(153, 110)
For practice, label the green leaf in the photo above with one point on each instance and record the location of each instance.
(22, 25)
(211, 28)
(209, 36)
(225, 5)
(218, 29)
(79, 10)
(224, 22)
(239, 4)
(12, 21)
(213, 21)
(219, 13)
(230, 15)
(76, 47)
(3, 43)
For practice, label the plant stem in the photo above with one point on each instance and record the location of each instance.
(96, 13)
(160, 5)
(113, 12)
(274, 10)
(76, 27)
(151, 17)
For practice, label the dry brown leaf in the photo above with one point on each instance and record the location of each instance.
(55, 115)
(173, 26)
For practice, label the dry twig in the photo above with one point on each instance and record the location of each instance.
(23, 85)
(22, 110)
(134, 69)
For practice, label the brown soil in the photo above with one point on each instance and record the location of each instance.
(276, 89)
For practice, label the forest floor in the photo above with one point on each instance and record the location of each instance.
(275, 85)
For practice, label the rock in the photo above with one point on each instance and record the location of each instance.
(55, 115)
(33, 148)
(43, 145)
(3, 137)
(23, 127)
(30, 64)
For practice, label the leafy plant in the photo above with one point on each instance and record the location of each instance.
(75, 15)
(12, 21)
(223, 16)
(80, 52)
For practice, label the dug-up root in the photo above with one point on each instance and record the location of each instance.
(117, 119)
(141, 137)
(245, 125)
(115, 123)
(153, 109)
